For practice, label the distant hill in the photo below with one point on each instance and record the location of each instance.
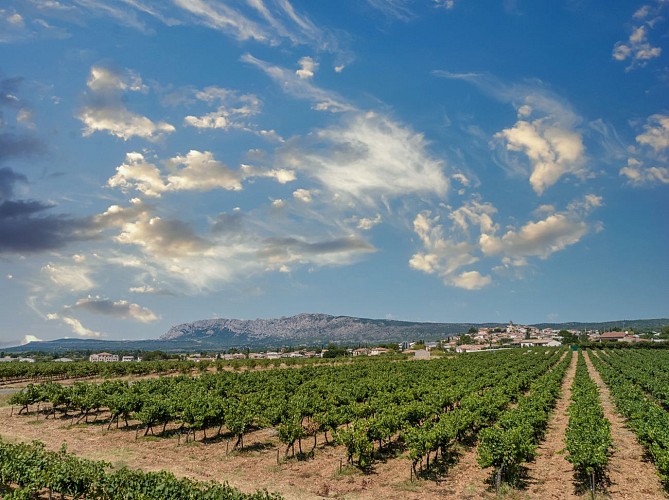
(312, 329)
(303, 329)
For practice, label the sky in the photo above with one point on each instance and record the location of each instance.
(165, 161)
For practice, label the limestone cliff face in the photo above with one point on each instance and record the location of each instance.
(308, 328)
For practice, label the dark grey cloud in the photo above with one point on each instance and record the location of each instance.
(275, 246)
(227, 224)
(8, 178)
(120, 309)
(24, 228)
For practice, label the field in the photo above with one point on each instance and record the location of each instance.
(518, 423)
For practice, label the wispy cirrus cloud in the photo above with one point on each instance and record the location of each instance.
(369, 158)
(292, 83)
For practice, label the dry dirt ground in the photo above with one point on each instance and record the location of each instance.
(630, 473)
(318, 477)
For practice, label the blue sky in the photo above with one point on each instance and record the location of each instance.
(427, 160)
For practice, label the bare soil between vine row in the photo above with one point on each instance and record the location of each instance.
(630, 473)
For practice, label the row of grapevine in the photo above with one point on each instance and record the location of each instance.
(589, 432)
(475, 411)
(28, 469)
(360, 404)
(52, 370)
(646, 369)
(647, 419)
(513, 439)
(43, 371)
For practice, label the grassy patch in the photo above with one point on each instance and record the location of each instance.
(408, 485)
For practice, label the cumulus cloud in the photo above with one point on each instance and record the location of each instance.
(637, 49)
(232, 109)
(536, 239)
(551, 145)
(121, 309)
(639, 175)
(195, 171)
(307, 69)
(370, 159)
(473, 236)
(367, 223)
(656, 133)
(471, 280)
(654, 144)
(304, 195)
(443, 256)
(546, 142)
(105, 109)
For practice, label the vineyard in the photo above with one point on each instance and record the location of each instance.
(474, 423)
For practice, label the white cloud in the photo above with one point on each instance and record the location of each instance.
(74, 324)
(105, 110)
(638, 175)
(199, 171)
(655, 138)
(16, 19)
(442, 256)
(397, 9)
(301, 88)
(552, 147)
(232, 110)
(471, 280)
(72, 278)
(637, 49)
(536, 239)
(136, 173)
(307, 69)
(473, 237)
(367, 223)
(369, 159)
(304, 195)
(195, 171)
(546, 142)
(656, 133)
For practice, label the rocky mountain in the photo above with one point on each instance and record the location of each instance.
(310, 329)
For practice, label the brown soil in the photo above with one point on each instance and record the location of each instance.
(550, 475)
(253, 468)
(630, 473)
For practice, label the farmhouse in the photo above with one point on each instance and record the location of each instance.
(613, 337)
(539, 343)
(104, 357)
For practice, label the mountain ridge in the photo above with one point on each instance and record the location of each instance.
(302, 329)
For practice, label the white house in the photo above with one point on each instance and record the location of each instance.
(104, 357)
